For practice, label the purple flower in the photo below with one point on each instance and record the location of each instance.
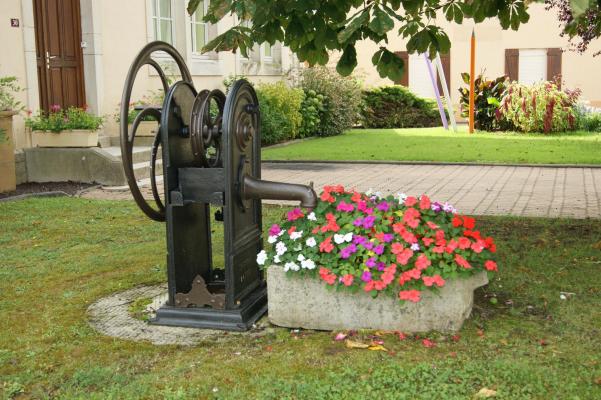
(415, 247)
(388, 237)
(358, 239)
(381, 266)
(436, 207)
(383, 206)
(379, 249)
(371, 262)
(447, 207)
(348, 250)
(274, 230)
(366, 276)
(368, 222)
(358, 221)
(368, 245)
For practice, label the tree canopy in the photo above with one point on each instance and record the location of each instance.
(312, 28)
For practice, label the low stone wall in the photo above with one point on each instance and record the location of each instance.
(20, 167)
(304, 302)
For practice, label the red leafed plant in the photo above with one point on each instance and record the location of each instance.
(397, 245)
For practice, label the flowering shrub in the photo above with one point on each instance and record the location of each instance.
(542, 107)
(60, 120)
(399, 246)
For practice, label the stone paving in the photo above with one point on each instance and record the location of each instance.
(472, 189)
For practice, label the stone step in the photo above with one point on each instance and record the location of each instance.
(142, 169)
(139, 153)
(138, 141)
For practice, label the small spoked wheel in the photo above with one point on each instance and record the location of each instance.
(127, 138)
(206, 127)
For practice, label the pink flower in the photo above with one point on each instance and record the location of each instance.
(490, 265)
(428, 343)
(410, 295)
(404, 256)
(326, 246)
(433, 280)
(422, 262)
(295, 214)
(410, 201)
(347, 279)
(462, 262)
(55, 108)
(346, 207)
(424, 202)
(274, 230)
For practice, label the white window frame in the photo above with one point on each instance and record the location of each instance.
(268, 59)
(192, 36)
(156, 21)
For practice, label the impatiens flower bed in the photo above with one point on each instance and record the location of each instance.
(396, 245)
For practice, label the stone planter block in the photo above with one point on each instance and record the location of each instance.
(74, 138)
(8, 182)
(305, 302)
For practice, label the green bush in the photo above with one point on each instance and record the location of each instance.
(487, 97)
(588, 118)
(397, 107)
(342, 99)
(280, 112)
(60, 120)
(8, 88)
(311, 109)
(542, 107)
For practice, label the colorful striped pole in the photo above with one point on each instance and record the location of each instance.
(472, 77)
(445, 91)
(443, 117)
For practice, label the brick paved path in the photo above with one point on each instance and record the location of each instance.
(477, 190)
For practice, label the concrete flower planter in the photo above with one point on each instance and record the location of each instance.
(146, 128)
(74, 138)
(8, 179)
(305, 302)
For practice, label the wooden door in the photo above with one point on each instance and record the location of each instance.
(59, 54)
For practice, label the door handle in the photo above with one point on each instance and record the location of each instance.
(48, 58)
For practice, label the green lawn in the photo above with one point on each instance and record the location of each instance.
(436, 144)
(59, 255)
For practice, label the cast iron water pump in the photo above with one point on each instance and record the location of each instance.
(211, 150)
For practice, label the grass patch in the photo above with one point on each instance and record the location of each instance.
(436, 144)
(137, 308)
(59, 255)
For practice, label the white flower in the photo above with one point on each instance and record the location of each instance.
(311, 216)
(291, 266)
(348, 237)
(308, 264)
(378, 195)
(276, 259)
(261, 257)
(402, 197)
(338, 239)
(369, 192)
(280, 248)
(300, 257)
(311, 242)
(296, 235)
(281, 232)
(272, 239)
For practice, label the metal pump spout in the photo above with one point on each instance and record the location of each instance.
(253, 188)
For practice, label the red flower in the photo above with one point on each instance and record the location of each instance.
(438, 249)
(433, 280)
(469, 222)
(327, 276)
(464, 243)
(411, 217)
(347, 279)
(457, 222)
(356, 197)
(422, 262)
(291, 230)
(451, 246)
(462, 262)
(478, 246)
(424, 202)
(490, 265)
(326, 246)
(396, 248)
(411, 295)
(428, 343)
(404, 256)
(410, 201)
(427, 241)
(432, 225)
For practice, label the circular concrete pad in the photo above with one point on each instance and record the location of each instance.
(110, 316)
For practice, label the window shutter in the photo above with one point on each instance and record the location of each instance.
(445, 60)
(512, 57)
(554, 65)
(403, 55)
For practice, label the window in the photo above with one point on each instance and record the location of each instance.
(532, 66)
(267, 52)
(199, 29)
(162, 20)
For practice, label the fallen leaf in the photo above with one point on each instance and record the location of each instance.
(504, 342)
(480, 333)
(377, 347)
(453, 354)
(486, 393)
(351, 344)
(598, 380)
(543, 342)
(456, 338)
(340, 336)
(428, 343)
(402, 336)
(377, 342)
(383, 333)
(268, 348)
(597, 245)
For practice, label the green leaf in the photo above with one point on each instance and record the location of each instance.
(353, 26)
(579, 7)
(381, 22)
(192, 6)
(348, 61)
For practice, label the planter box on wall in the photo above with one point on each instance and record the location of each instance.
(305, 302)
(74, 138)
(8, 181)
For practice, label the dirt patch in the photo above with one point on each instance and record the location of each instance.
(70, 188)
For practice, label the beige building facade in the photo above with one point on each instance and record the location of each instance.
(111, 34)
(533, 43)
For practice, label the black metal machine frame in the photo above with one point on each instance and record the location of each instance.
(211, 152)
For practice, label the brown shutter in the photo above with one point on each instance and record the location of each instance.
(445, 60)
(554, 65)
(403, 55)
(512, 57)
